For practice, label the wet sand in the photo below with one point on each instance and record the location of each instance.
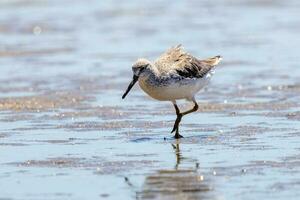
(67, 134)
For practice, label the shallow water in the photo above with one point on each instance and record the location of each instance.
(66, 134)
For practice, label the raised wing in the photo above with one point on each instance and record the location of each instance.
(177, 61)
(171, 57)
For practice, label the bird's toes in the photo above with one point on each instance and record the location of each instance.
(178, 136)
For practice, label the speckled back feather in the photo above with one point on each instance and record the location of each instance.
(176, 61)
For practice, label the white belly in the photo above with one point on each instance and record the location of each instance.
(184, 89)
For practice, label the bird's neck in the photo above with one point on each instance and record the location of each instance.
(152, 70)
(150, 74)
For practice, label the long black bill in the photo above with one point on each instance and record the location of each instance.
(134, 80)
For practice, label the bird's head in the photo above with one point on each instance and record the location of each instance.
(139, 66)
(138, 69)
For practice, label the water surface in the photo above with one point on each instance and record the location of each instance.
(66, 134)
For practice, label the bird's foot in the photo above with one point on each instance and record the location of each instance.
(176, 128)
(177, 136)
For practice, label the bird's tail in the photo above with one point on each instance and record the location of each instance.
(213, 61)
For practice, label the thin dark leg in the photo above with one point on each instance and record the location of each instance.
(179, 117)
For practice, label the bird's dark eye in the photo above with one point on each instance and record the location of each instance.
(143, 68)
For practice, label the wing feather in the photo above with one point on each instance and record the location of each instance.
(176, 61)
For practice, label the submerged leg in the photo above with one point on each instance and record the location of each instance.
(180, 115)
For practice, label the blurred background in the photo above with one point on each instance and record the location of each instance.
(66, 134)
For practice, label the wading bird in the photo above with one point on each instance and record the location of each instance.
(174, 75)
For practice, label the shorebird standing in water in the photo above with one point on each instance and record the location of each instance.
(174, 75)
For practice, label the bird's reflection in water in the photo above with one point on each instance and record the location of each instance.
(177, 183)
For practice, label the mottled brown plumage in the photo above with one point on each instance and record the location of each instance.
(176, 60)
